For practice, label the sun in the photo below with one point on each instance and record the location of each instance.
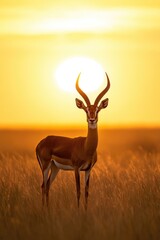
(92, 74)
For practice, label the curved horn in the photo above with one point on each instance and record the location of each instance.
(103, 92)
(81, 92)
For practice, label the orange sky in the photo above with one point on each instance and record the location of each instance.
(36, 36)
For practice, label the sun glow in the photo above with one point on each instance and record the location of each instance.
(92, 74)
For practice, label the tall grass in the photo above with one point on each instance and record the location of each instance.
(124, 200)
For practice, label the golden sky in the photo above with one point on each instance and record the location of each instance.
(36, 36)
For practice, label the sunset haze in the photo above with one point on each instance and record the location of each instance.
(37, 36)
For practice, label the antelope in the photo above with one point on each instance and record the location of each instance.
(75, 154)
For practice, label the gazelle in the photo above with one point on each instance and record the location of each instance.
(76, 154)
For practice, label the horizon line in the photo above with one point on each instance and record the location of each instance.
(77, 127)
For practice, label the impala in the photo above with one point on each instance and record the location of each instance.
(76, 154)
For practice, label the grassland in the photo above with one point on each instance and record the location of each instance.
(124, 201)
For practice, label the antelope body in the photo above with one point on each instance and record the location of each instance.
(76, 154)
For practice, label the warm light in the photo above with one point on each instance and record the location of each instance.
(92, 74)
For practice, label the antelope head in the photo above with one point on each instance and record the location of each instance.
(92, 110)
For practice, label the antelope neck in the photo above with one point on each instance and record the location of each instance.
(91, 140)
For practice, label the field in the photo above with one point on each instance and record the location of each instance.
(124, 200)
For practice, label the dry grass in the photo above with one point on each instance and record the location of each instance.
(124, 200)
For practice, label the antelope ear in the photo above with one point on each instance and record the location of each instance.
(103, 104)
(79, 103)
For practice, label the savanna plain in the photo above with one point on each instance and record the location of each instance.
(124, 197)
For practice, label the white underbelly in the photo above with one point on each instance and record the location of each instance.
(62, 166)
